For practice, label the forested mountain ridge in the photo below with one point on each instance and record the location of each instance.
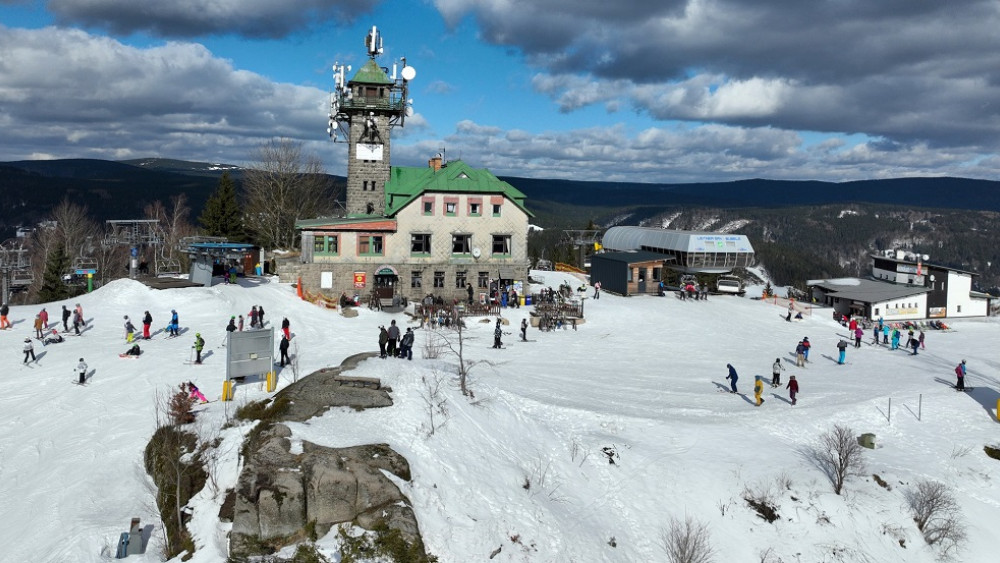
(799, 229)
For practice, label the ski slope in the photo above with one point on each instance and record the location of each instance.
(641, 377)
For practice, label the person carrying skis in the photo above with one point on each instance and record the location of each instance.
(129, 330)
(29, 350)
(283, 348)
(4, 311)
(147, 321)
(497, 333)
(959, 373)
(793, 388)
(286, 328)
(81, 369)
(524, 330)
(231, 327)
(406, 345)
(38, 327)
(65, 318)
(199, 344)
(776, 370)
(174, 323)
(732, 377)
(842, 346)
(758, 389)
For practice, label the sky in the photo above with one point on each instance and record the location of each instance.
(668, 91)
(71, 457)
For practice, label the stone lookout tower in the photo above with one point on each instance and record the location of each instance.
(364, 110)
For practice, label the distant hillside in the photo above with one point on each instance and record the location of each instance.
(800, 229)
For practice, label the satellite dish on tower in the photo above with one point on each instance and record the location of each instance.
(476, 253)
(408, 73)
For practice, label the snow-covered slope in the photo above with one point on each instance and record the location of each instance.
(642, 377)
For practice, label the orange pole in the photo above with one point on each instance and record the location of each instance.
(298, 287)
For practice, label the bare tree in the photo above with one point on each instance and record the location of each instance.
(840, 455)
(282, 185)
(456, 346)
(936, 513)
(687, 541)
(174, 221)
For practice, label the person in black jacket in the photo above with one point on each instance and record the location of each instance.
(283, 348)
(147, 321)
(65, 316)
(231, 327)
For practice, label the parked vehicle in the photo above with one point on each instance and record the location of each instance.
(730, 284)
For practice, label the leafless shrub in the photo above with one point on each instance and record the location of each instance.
(761, 498)
(687, 541)
(768, 556)
(960, 451)
(540, 476)
(840, 455)
(937, 515)
(435, 401)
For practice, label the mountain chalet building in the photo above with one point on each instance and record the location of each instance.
(409, 231)
(904, 287)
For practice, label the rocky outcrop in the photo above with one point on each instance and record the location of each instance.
(280, 495)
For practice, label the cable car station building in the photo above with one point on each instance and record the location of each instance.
(408, 231)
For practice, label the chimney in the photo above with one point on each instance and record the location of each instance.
(435, 163)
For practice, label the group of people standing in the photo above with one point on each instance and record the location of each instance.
(393, 344)
(758, 384)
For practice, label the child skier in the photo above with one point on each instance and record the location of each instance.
(286, 328)
(195, 393)
(793, 388)
(81, 368)
(524, 330)
(776, 373)
(758, 389)
(29, 350)
(147, 321)
(129, 330)
(959, 373)
(199, 344)
(174, 321)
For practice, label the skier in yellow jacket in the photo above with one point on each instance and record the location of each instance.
(758, 389)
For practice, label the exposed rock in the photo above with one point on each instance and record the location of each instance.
(279, 493)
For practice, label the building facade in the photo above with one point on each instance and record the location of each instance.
(950, 293)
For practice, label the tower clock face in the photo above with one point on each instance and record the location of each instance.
(368, 151)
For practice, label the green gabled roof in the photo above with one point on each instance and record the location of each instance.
(408, 183)
(371, 73)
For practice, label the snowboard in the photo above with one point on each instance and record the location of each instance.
(965, 389)
(77, 382)
(125, 356)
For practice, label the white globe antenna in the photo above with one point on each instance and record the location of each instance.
(408, 73)
(476, 253)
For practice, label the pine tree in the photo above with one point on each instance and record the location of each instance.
(222, 216)
(53, 288)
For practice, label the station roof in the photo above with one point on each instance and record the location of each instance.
(866, 291)
(631, 257)
(646, 238)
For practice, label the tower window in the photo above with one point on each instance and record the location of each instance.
(364, 186)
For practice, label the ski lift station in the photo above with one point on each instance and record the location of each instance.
(688, 252)
(633, 257)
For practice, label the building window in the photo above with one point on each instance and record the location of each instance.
(420, 243)
(450, 207)
(461, 244)
(326, 245)
(483, 280)
(438, 279)
(364, 186)
(373, 185)
(959, 310)
(428, 207)
(496, 209)
(876, 311)
(416, 279)
(461, 279)
(475, 209)
(370, 245)
(501, 245)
